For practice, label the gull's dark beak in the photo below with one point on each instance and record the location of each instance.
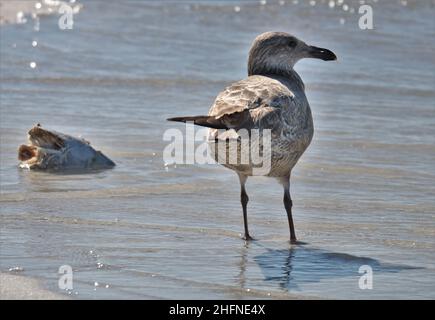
(321, 53)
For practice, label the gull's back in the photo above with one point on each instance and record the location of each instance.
(266, 102)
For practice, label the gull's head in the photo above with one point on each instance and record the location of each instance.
(278, 52)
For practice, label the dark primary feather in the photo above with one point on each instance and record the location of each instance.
(204, 121)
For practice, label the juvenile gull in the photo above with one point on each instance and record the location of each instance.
(272, 97)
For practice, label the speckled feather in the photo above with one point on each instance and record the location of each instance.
(266, 102)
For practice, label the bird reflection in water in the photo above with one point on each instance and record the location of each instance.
(302, 264)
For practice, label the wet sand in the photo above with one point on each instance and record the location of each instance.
(13, 287)
(22, 11)
(10, 8)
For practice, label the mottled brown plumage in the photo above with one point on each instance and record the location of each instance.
(272, 97)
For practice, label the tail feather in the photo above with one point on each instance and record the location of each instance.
(204, 121)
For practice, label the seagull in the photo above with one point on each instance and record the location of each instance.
(271, 97)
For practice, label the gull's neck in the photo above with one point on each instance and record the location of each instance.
(288, 73)
(285, 71)
(266, 65)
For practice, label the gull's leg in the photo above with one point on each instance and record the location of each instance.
(288, 207)
(244, 200)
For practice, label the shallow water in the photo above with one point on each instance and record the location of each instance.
(363, 193)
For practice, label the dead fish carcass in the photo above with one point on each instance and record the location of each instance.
(51, 150)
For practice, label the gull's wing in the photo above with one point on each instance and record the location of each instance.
(255, 102)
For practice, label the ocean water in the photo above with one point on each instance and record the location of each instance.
(363, 193)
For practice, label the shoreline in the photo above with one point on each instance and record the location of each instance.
(10, 10)
(18, 287)
(19, 12)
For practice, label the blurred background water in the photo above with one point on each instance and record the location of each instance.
(363, 193)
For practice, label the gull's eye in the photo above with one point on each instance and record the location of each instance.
(292, 44)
